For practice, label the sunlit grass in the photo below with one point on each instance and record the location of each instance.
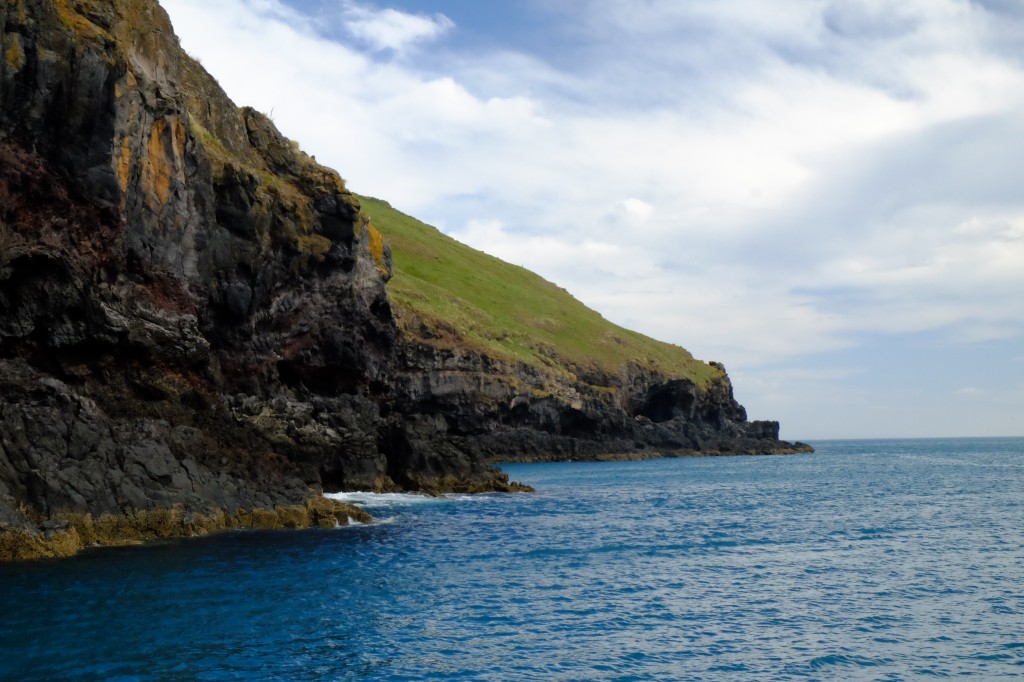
(449, 293)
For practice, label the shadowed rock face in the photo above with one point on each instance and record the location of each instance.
(194, 314)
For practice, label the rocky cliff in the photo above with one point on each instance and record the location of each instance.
(195, 323)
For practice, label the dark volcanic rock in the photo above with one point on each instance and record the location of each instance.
(499, 412)
(194, 316)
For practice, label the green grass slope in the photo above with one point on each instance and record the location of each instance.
(447, 293)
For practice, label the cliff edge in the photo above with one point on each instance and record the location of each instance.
(197, 332)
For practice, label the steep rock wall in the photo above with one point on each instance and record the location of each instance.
(178, 286)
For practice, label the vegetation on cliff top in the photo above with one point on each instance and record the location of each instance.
(447, 293)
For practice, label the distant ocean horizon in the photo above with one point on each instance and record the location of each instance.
(874, 559)
(896, 439)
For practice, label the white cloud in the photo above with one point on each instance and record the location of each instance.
(389, 29)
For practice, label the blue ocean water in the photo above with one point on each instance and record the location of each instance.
(869, 560)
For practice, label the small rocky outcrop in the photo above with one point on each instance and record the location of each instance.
(195, 330)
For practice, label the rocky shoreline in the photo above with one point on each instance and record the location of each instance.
(67, 533)
(195, 326)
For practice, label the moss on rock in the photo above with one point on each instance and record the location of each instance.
(293, 516)
(67, 533)
(498, 483)
(327, 513)
(17, 544)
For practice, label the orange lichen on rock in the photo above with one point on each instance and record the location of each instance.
(124, 165)
(377, 248)
(164, 160)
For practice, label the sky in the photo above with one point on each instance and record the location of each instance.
(824, 195)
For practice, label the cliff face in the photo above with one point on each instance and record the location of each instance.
(194, 316)
(497, 364)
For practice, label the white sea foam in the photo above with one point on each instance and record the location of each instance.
(374, 500)
(470, 497)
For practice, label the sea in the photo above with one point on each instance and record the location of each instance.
(867, 560)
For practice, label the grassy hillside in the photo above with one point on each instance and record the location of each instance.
(468, 298)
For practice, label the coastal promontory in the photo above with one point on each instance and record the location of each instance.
(202, 328)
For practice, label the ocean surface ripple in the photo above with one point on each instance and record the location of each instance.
(869, 560)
